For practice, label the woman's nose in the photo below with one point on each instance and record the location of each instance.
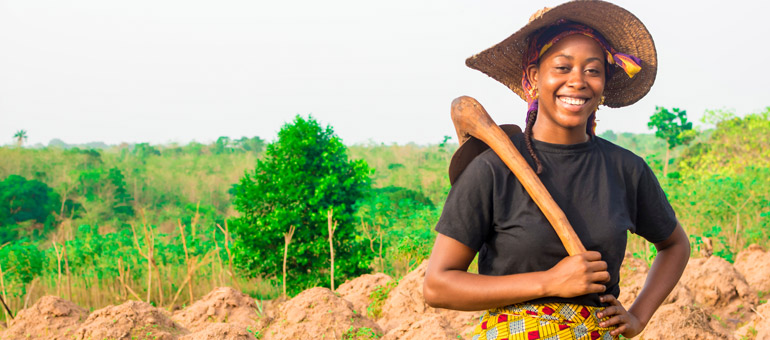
(576, 80)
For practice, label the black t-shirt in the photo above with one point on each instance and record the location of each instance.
(603, 189)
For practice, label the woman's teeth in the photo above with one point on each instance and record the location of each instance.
(573, 101)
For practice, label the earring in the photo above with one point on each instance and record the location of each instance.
(601, 101)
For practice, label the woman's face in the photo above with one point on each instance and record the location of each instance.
(570, 81)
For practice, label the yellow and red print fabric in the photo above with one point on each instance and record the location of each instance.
(551, 321)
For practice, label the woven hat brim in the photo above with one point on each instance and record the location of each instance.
(623, 30)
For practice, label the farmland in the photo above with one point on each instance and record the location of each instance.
(158, 223)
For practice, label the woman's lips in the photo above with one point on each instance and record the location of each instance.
(572, 103)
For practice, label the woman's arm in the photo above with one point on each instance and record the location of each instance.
(673, 254)
(449, 285)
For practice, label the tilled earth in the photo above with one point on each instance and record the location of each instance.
(713, 300)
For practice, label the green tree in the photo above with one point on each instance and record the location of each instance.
(609, 135)
(144, 150)
(254, 144)
(303, 175)
(20, 137)
(672, 127)
(122, 203)
(22, 200)
(222, 145)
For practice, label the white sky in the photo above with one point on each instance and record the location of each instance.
(164, 71)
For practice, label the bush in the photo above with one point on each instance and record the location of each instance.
(22, 200)
(303, 175)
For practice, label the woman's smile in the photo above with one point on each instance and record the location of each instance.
(574, 104)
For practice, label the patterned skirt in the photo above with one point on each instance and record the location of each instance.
(552, 321)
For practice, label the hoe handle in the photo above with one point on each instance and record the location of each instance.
(470, 119)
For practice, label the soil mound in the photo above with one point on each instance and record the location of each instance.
(223, 304)
(633, 272)
(685, 322)
(50, 318)
(317, 313)
(759, 326)
(357, 291)
(220, 331)
(406, 305)
(754, 263)
(130, 320)
(714, 284)
(432, 327)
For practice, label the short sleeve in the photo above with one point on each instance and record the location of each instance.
(655, 218)
(467, 214)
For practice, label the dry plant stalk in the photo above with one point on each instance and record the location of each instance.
(149, 240)
(216, 279)
(286, 240)
(195, 219)
(29, 292)
(230, 270)
(737, 211)
(67, 269)
(380, 265)
(124, 277)
(7, 310)
(122, 280)
(332, 228)
(58, 260)
(194, 267)
(186, 257)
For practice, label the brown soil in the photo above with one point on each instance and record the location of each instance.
(754, 264)
(50, 318)
(406, 305)
(675, 321)
(316, 313)
(223, 304)
(711, 301)
(431, 327)
(759, 326)
(129, 321)
(357, 291)
(220, 331)
(714, 284)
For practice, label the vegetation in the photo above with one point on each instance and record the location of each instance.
(152, 222)
(721, 188)
(305, 175)
(21, 137)
(673, 132)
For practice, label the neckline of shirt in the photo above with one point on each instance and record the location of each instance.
(564, 148)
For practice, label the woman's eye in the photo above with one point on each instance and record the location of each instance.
(562, 68)
(593, 71)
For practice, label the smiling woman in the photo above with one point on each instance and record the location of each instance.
(565, 63)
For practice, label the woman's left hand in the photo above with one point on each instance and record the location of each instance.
(628, 324)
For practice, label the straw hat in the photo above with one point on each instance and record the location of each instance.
(624, 31)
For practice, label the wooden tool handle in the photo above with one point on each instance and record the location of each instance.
(470, 119)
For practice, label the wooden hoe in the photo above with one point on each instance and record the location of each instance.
(471, 120)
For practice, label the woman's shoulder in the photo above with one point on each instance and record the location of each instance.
(621, 156)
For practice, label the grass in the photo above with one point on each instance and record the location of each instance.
(377, 298)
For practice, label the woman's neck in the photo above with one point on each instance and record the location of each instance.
(559, 135)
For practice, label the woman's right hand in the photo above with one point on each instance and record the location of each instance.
(578, 275)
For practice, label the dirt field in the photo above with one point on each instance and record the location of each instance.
(714, 300)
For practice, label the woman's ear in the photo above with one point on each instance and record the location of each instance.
(532, 74)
